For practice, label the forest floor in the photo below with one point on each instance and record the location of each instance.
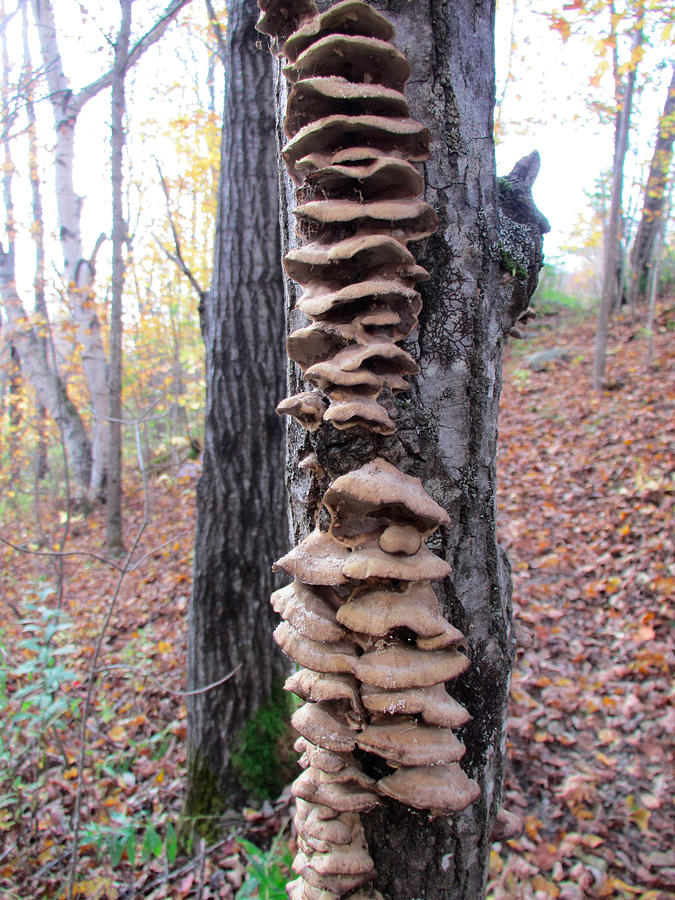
(586, 512)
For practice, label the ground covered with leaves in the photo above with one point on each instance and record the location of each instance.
(586, 512)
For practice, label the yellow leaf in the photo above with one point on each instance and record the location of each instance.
(618, 883)
(164, 647)
(641, 819)
(117, 734)
(159, 778)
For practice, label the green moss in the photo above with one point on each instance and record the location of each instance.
(204, 804)
(262, 757)
(504, 184)
(516, 269)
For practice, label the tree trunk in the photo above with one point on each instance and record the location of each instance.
(113, 519)
(23, 337)
(484, 262)
(241, 522)
(38, 232)
(612, 254)
(651, 220)
(78, 272)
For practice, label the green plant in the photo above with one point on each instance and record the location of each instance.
(267, 872)
(262, 755)
(35, 705)
(122, 836)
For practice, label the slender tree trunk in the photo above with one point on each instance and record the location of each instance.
(613, 239)
(241, 522)
(484, 264)
(78, 271)
(24, 339)
(15, 416)
(38, 233)
(655, 199)
(654, 273)
(113, 529)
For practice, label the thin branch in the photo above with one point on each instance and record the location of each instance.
(178, 258)
(217, 31)
(60, 553)
(21, 548)
(149, 38)
(168, 690)
(91, 682)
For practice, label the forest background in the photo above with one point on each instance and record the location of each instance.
(603, 458)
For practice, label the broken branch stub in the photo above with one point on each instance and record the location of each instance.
(360, 616)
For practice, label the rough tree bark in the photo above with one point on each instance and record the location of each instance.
(241, 520)
(484, 262)
(651, 222)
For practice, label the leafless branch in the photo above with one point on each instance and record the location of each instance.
(177, 258)
(168, 690)
(91, 681)
(149, 38)
(217, 31)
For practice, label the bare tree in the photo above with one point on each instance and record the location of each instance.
(79, 270)
(612, 250)
(119, 239)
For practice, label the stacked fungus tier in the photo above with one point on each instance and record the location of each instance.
(360, 618)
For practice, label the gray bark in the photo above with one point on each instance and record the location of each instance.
(241, 522)
(113, 523)
(652, 219)
(484, 264)
(612, 254)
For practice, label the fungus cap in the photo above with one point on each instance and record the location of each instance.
(404, 138)
(353, 56)
(406, 742)
(379, 487)
(369, 178)
(315, 655)
(307, 407)
(344, 797)
(320, 725)
(507, 826)
(412, 219)
(341, 828)
(371, 562)
(401, 666)
(348, 17)
(319, 97)
(439, 789)
(307, 612)
(315, 686)
(377, 612)
(433, 703)
(349, 260)
(317, 560)
(319, 758)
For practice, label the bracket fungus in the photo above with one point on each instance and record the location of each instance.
(360, 618)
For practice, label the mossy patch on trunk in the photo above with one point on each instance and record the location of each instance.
(262, 757)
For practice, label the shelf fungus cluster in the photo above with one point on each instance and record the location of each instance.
(363, 622)
(360, 618)
(351, 152)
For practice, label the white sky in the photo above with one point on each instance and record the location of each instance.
(543, 108)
